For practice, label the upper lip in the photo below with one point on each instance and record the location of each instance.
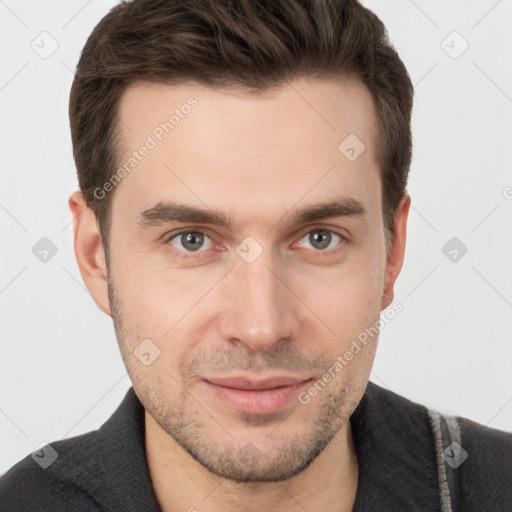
(257, 384)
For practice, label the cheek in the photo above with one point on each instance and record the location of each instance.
(167, 306)
(155, 294)
(347, 297)
(349, 305)
(175, 307)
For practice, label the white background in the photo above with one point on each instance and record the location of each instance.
(61, 372)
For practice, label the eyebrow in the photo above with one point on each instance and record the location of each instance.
(166, 212)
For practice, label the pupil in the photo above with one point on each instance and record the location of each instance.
(320, 237)
(193, 241)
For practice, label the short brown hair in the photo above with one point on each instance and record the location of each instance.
(253, 45)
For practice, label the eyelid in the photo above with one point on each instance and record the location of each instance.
(333, 229)
(344, 238)
(184, 254)
(179, 231)
(306, 230)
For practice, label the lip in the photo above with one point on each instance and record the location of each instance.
(262, 396)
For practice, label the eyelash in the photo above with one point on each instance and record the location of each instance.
(184, 254)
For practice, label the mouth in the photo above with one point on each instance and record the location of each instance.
(262, 396)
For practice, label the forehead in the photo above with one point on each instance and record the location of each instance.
(206, 143)
(330, 109)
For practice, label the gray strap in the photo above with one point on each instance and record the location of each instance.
(449, 455)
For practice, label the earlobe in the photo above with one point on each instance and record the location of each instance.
(89, 252)
(396, 251)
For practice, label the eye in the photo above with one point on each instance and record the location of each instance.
(321, 239)
(190, 241)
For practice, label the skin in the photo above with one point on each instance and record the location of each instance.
(293, 310)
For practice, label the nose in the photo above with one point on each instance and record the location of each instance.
(258, 307)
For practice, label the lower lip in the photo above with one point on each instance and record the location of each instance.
(257, 402)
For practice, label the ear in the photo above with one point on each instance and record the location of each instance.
(396, 250)
(89, 252)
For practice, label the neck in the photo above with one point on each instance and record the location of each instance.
(180, 483)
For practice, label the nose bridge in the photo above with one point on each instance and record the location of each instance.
(258, 312)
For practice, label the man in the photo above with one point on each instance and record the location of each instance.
(242, 218)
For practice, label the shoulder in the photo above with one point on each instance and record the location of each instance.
(486, 473)
(105, 469)
(472, 433)
(482, 440)
(483, 466)
(46, 480)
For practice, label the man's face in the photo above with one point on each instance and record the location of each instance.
(269, 295)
